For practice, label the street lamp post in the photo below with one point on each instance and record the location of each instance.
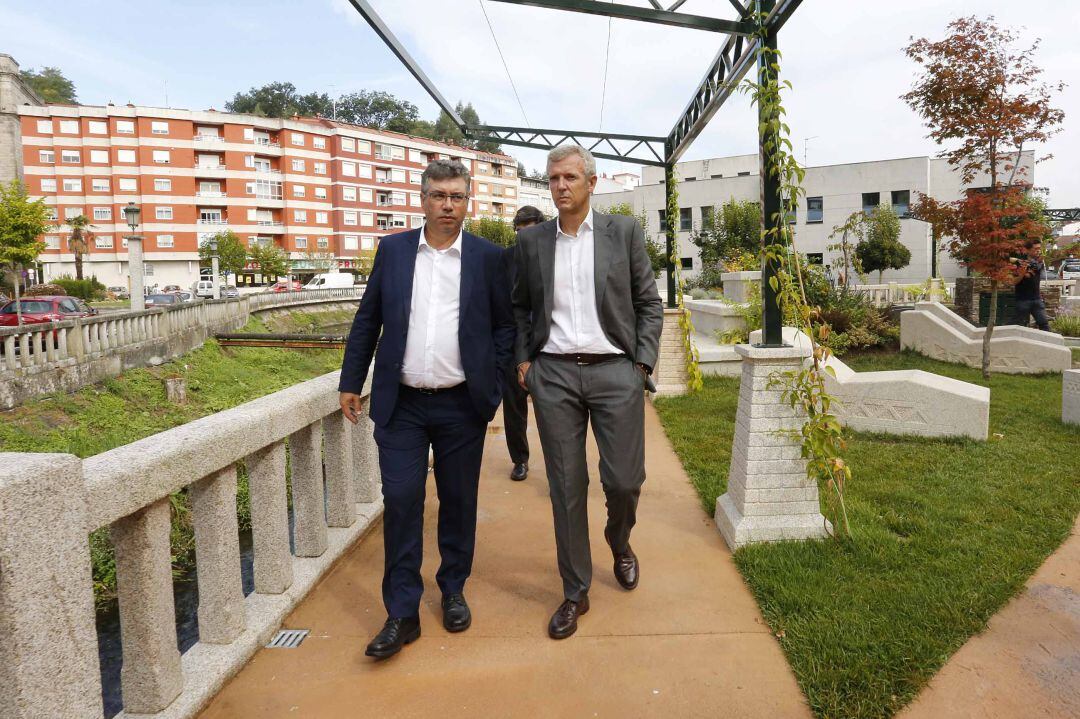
(214, 268)
(135, 258)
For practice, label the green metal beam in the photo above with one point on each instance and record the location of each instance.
(633, 12)
(646, 150)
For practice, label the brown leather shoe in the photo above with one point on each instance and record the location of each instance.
(626, 565)
(564, 620)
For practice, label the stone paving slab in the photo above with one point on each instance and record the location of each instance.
(688, 642)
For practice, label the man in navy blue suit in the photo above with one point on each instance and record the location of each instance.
(441, 299)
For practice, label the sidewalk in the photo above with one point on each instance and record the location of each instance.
(688, 642)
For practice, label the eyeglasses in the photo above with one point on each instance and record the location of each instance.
(440, 197)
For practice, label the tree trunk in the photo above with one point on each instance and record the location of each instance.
(990, 322)
(78, 266)
(18, 304)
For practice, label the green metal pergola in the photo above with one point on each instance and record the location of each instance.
(739, 50)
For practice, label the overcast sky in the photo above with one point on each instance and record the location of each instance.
(844, 58)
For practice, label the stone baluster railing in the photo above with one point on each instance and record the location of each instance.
(49, 503)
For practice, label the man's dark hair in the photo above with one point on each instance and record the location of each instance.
(445, 170)
(528, 215)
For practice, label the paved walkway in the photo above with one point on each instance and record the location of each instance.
(1027, 662)
(688, 642)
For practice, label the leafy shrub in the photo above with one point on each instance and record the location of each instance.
(44, 290)
(1066, 324)
(87, 289)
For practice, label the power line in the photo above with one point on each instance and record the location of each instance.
(505, 66)
(607, 56)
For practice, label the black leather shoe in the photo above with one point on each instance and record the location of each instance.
(520, 471)
(395, 634)
(456, 616)
(564, 621)
(626, 566)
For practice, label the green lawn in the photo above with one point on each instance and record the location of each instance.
(945, 532)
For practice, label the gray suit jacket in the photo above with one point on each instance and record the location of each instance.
(630, 310)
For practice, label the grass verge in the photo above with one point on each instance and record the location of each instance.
(945, 532)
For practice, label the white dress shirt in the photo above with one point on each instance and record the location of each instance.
(432, 353)
(575, 321)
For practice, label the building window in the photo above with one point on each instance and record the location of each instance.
(663, 220)
(296, 138)
(103, 213)
(321, 218)
(870, 200)
(686, 219)
(744, 174)
(100, 184)
(98, 127)
(164, 241)
(299, 190)
(72, 184)
(707, 217)
(125, 127)
(51, 213)
(44, 127)
(320, 168)
(688, 263)
(70, 212)
(319, 143)
(901, 202)
(348, 169)
(298, 165)
(322, 243)
(348, 144)
(414, 178)
(127, 156)
(365, 195)
(163, 213)
(365, 171)
(48, 184)
(159, 127)
(301, 243)
(363, 147)
(52, 242)
(299, 215)
(348, 194)
(320, 193)
(162, 184)
(349, 218)
(103, 242)
(367, 242)
(350, 242)
(162, 157)
(793, 216)
(69, 127)
(481, 189)
(100, 157)
(69, 157)
(46, 157)
(127, 184)
(815, 207)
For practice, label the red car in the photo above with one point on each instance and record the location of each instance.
(50, 308)
(284, 286)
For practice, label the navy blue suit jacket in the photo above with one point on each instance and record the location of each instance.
(486, 326)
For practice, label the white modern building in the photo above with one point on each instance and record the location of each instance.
(832, 194)
(537, 194)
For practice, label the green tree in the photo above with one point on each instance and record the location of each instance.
(734, 228)
(270, 260)
(881, 248)
(280, 99)
(78, 241)
(498, 231)
(22, 222)
(231, 253)
(379, 110)
(50, 84)
(657, 251)
(447, 131)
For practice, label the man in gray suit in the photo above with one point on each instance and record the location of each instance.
(589, 319)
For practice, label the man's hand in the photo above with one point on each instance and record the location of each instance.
(522, 371)
(351, 406)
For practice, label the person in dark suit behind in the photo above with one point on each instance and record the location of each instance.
(515, 398)
(589, 319)
(440, 298)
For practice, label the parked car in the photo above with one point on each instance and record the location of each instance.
(172, 288)
(327, 280)
(286, 286)
(47, 308)
(120, 293)
(228, 291)
(184, 295)
(1069, 270)
(204, 288)
(162, 300)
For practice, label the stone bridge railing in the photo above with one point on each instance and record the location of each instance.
(41, 359)
(49, 503)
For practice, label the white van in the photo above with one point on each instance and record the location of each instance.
(204, 288)
(329, 280)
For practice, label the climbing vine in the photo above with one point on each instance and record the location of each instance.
(694, 381)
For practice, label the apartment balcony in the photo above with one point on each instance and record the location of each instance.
(207, 170)
(268, 171)
(212, 198)
(206, 142)
(266, 147)
(212, 223)
(272, 227)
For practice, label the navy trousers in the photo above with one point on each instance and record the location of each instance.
(446, 422)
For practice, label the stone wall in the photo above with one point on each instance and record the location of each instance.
(13, 92)
(968, 290)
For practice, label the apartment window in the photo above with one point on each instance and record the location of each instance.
(397, 175)
(901, 202)
(46, 157)
(319, 143)
(299, 215)
(103, 242)
(414, 199)
(793, 216)
(70, 157)
(69, 127)
(163, 213)
(744, 174)
(509, 191)
(100, 184)
(367, 242)
(663, 220)
(363, 147)
(482, 167)
(348, 194)
(320, 168)
(320, 193)
(349, 218)
(125, 127)
(348, 169)
(100, 157)
(249, 133)
(686, 219)
(417, 221)
(70, 212)
(265, 189)
(127, 184)
(321, 218)
(870, 200)
(297, 165)
(365, 195)
(414, 156)
(44, 126)
(414, 178)
(365, 171)
(52, 242)
(162, 184)
(98, 127)
(159, 127)
(301, 243)
(296, 138)
(483, 207)
(348, 144)
(127, 156)
(51, 213)
(322, 243)
(164, 241)
(72, 184)
(351, 242)
(48, 184)
(161, 157)
(481, 189)
(103, 213)
(367, 219)
(707, 217)
(815, 207)
(299, 190)
(688, 263)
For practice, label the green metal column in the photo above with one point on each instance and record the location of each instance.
(669, 194)
(771, 202)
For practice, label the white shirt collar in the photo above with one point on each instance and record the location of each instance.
(586, 224)
(455, 247)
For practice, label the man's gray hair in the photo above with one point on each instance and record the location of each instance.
(445, 170)
(564, 151)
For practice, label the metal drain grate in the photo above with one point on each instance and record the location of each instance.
(287, 639)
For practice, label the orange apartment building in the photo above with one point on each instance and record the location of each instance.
(324, 192)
